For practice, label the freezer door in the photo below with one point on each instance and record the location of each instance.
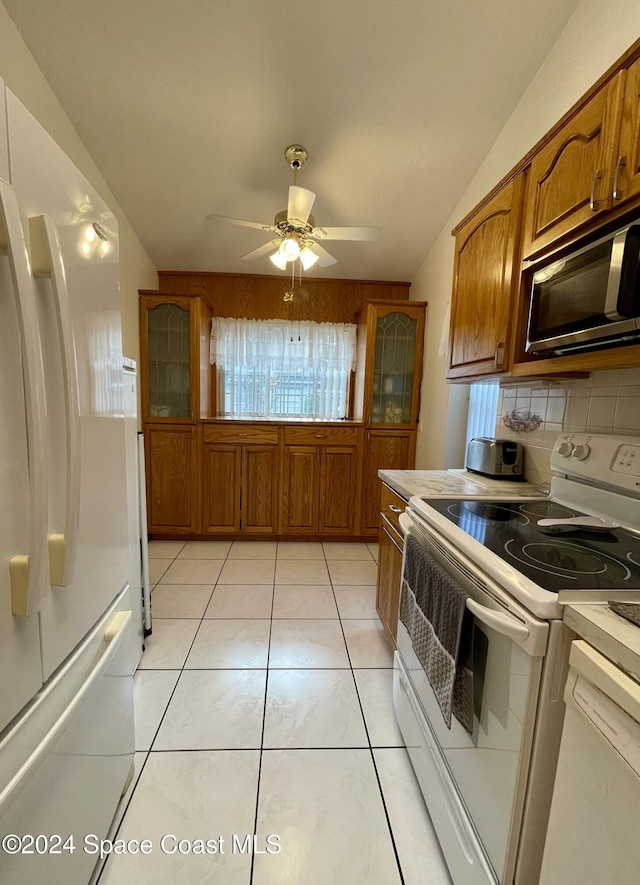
(48, 183)
(19, 636)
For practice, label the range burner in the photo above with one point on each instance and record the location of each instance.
(582, 559)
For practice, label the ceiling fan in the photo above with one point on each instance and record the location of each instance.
(295, 227)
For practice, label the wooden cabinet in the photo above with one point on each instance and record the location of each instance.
(174, 363)
(389, 561)
(383, 450)
(239, 479)
(485, 285)
(626, 176)
(390, 348)
(387, 395)
(571, 177)
(170, 460)
(320, 480)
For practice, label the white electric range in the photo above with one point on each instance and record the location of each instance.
(488, 788)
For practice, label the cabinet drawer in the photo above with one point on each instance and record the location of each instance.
(240, 434)
(391, 506)
(321, 436)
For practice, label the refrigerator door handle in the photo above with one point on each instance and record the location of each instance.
(47, 261)
(27, 572)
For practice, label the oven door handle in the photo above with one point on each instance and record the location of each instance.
(504, 624)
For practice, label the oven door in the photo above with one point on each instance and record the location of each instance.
(474, 784)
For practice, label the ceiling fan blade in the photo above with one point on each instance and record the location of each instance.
(261, 250)
(347, 233)
(324, 259)
(239, 221)
(300, 203)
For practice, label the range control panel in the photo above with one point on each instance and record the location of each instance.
(613, 460)
(627, 460)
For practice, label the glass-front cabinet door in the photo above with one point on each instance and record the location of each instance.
(395, 335)
(167, 357)
(393, 370)
(168, 328)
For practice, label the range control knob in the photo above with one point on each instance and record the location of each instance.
(581, 452)
(565, 449)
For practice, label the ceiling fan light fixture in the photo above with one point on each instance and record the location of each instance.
(279, 259)
(291, 248)
(308, 258)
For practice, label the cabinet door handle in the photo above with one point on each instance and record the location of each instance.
(597, 176)
(499, 357)
(320, 435)
(394, 509)
(622, 161)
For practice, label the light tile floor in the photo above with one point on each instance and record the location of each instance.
(263, 706)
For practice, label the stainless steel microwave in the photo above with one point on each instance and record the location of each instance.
(589, 299)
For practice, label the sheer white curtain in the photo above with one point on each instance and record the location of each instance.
(273, 368)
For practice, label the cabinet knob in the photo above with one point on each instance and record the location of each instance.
(622, 161)
(597, 176)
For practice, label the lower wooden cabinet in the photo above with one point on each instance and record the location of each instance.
(390, 542)
(221, 467)
(389, 578)
(319, 495)
(383, 450)
(170, 461)
(242, 478)
(238, 488)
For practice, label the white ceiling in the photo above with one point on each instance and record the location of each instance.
(187, 107)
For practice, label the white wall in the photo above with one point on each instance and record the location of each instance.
(25, 79)
(597, 34)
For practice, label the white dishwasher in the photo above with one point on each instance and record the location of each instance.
(593, 826)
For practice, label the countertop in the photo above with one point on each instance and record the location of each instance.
(461, 483)
(614, 637)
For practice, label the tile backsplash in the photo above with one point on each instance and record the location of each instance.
(606, 402)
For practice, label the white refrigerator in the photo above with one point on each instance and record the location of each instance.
(66, 649)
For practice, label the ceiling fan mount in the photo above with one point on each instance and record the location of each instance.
(296, 156)
(295, 227)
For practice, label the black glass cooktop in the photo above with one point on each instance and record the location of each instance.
(576, 560)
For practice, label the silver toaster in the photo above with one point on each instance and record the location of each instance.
(499, 458)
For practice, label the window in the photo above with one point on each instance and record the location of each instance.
(483, 407)
(282, 368)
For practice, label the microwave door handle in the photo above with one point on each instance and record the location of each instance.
(27, 572)
(618, 247)
(504, 624)
(46, 259)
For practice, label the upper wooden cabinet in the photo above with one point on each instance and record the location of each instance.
(485, 285)
(571, 178)
(174, 385)
(626, 184)
(390, 345)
